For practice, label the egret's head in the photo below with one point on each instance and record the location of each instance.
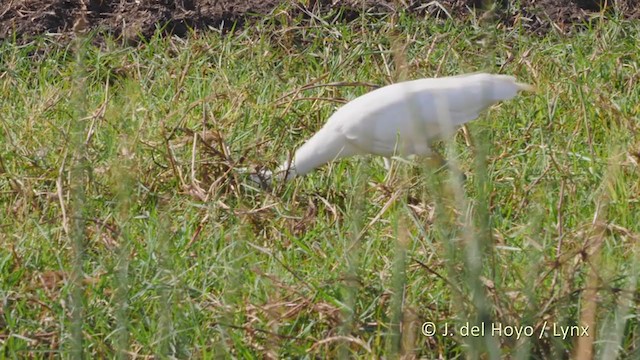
(286, 172)
(265, 178)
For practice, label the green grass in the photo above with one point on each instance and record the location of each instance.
(126, 231)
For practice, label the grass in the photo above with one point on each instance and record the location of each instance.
(126, 232)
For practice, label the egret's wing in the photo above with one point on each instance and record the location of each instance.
(404, 118)
(400, 121)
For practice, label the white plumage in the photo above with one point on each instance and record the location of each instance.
(400, 119)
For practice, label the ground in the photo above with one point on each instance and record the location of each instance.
(135, 18)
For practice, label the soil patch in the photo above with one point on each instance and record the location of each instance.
(135, 19)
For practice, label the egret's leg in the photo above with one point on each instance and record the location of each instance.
(387, 166)
(387, 163)
(441, 163)
(438, 161)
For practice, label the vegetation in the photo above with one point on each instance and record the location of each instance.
(126, 231)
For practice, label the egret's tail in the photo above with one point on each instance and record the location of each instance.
(504, 87)
(525, 87)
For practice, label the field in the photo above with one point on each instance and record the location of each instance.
(126, 229)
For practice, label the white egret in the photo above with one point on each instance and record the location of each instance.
(400, 119)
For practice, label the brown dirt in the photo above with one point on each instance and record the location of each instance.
(135, 19)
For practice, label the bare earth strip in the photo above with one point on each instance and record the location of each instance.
(135, 19)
